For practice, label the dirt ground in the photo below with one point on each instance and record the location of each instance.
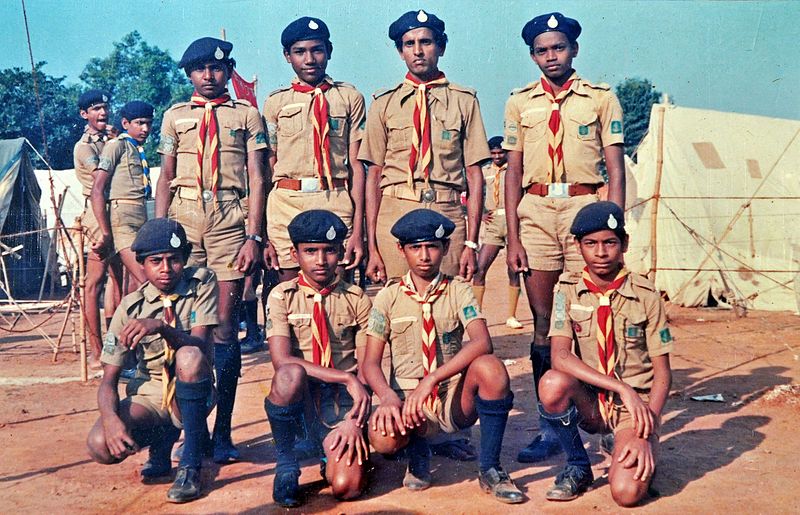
(730, 456)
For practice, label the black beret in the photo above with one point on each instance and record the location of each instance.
(136, 109)
(414, 20)
(206, 49)
(160, 235)
(422, 225)
(303, 29)
(92, 97)
(496, 142)
(599, 216)
(551, 22)
(317, 226)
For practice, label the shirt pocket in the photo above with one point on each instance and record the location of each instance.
(337, 123)
(233, 134)
(450, 338)
(344, 328)
(534, 124)
(584, 125)
(632, 354)
(399, 134)
(404, 337)
(300, 331)
(448, 132)
(290, 120)
(187, 131)
(581, 319)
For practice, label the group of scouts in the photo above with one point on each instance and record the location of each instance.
(337, 177)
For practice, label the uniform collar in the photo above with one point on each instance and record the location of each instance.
(227, 103)
(496, 169)
(439, 93)
(411, 286)
(182, 289)
(576, 87)
(326, 78)
(626, 290)
(92, 137)
(342, 286)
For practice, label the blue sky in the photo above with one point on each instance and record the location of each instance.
(736, 56)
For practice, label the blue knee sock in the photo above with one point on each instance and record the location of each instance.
(228, 364)
(192, 399)
(286, 422)
(565, 427)
(493, 416)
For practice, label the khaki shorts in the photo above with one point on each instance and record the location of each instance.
(443, 419)
(216, 233)
(283, 205)
(91, 229)
(544, 225)
(126, 220)
(331, 404)
(620, 416)
(148, 394)
(392, 208)
(496, 231)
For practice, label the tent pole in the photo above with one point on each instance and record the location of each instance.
(656, 196)
(82, 290)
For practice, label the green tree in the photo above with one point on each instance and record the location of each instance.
(637, 97)
(19, 116)
(137, 71)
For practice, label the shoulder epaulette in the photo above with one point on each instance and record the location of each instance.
(279, 90)
(527, 87)
(351, 288)
(600, 85)
(569, 277)
(642, 281)
(202, 274)
(243, 101)
(463, 89)
(342, 84)
(178, 105)
(384, 91)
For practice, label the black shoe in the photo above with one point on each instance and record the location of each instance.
(251, 345)
(286, 489)
(570, 483)
(156, 467)
(225, 451)
(497, 482)
(418, 473)
(607, 443)
(539, 450)
(186, 486)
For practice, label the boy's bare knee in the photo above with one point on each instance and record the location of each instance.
(491, 371)
(386, 444)
(189, 363)
(627, 493)
(97, 449)
(287, 384)
(346, 487)
(553, 386)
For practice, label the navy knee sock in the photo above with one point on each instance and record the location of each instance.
(228, 364)
(493, 416)
(565, 427)
(192, 399)
(250, 311)
(286, 422)
(540, 361)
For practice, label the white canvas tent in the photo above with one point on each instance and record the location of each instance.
(714, 208)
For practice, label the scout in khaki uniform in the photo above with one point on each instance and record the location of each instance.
(317, 328)
(619, 376)
(167, 324)
(557, 131)
(121, 188)
(436, 382)
(93, 106)
(212, 151)
(421, 136)
(315, 127)
(494, 230)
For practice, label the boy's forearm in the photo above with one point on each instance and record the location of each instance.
(177, 339)
(375, 379)
(662, 382)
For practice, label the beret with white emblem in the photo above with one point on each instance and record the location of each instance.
(158, 236)
(206, 49)
(599, 216)
(415, 20)
(551, 22)
(303, 29)
(93, 97)
(422, 225)
(317, 226)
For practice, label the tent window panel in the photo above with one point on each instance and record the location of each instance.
(708, 155)
(753, 169)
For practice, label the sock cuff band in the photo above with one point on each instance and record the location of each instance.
(192, 391)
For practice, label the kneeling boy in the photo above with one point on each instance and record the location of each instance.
(436, 382)
(316, 328)
(619, 377)
(167, 323)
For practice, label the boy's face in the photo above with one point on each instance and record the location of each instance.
(498, 156)
(318, 261)
(164, 270)
(425, 258)
(421, 53)
(138, 128)
(309, 60)
(603, 252)
(96, 116)
(553, 53)
(210, 78)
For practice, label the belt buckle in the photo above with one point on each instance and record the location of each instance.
(207, 195)
(500, 212)
(309, 185)
(558, 190)
(429, 195)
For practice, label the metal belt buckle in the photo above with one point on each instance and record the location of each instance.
(309, 185)
(558, 190)
(500, 212)
(429, 195)
(207, 195)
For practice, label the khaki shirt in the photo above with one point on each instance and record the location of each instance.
(196, 307)
(86, 156)
(457, 134)
(640, 325)
(489, 173)
(592, 119)
(290, 127)
(121, 160)
(396, 319)
(241, 130)
(347, 309)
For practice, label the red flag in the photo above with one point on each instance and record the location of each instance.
(244, 90)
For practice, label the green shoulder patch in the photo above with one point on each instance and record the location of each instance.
(560, 304)
(377, 322)
(470, 312)
(665, 335)
(616, 127)
(512, 140)
(261, 138)
(167, 145)
(110, 344)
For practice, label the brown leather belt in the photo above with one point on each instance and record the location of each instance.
(303, 184)
(573, 190)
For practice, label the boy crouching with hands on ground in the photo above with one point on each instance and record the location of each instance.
(618, 378)
(436, 382)
(316, 328)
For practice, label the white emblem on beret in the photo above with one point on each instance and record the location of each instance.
(439, 231)
(552, 22)
(612, 222)
(331, 234)
(422, 17)
(105, 98)
(175, 241)
(313, 25)
(219, 54)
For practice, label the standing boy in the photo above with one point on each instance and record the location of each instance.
(436, 381)
(317, 331)
(618, 378)
(167, 323)
(212, 150)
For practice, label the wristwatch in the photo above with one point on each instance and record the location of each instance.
(471, 244)
(255, 237)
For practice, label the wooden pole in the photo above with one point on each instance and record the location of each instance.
(82, 293)
(64, 325)
(656, 196)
